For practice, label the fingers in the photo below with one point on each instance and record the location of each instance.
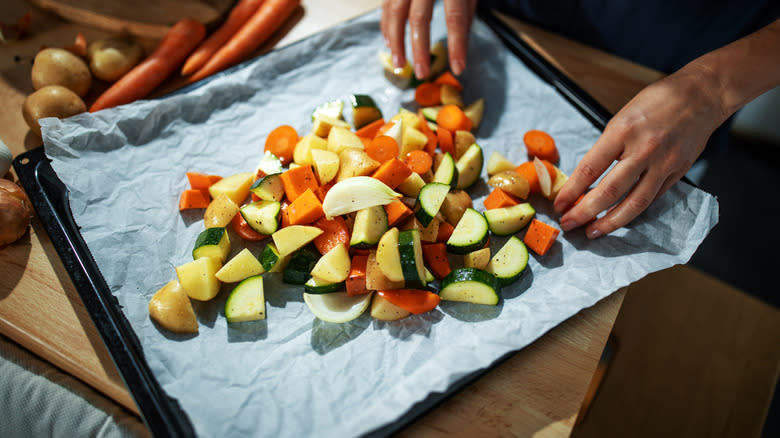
(393, 26)
(420, 14)
(458, 16)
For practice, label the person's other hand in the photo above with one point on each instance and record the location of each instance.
(458, 17)
(655, 140)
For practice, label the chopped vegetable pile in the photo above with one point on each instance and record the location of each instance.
(373, 215)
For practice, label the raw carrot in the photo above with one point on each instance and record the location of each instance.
(540, 236)
(396, 212)
(499, 199)
(419, 161)
(136, 84)
(453, 118)
(446, 141)
(305, 209)
(448, 78)
(435, 256)
(335, 231)
(201, 181)
(237, 17)
(194, 198)
(392, 172)
(79, 46)
(384, 128)
(356, 281)
(268, 18)
(284, 213)
(323, 190)
(428, 94)
(415, 301)
(433, 141)
(540, 144)
(281, 142)
(445, 231)
(243, 229)
(370, 130)
(528, 171)
(297, 180)
(382, 148)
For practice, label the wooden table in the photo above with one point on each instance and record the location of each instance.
(538, 390)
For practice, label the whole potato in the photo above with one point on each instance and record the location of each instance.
(111, 58)
(15, 212)
(60, 67)
(51, 101)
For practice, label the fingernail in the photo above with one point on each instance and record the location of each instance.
(418, 71)
(457, 66)
(594, 233)
(397, 61)
(568, 225)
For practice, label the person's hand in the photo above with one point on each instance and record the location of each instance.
(655, 140)
(458, 17)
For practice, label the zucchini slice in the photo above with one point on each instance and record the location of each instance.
(271, 260)
(370, 225)
(388, 256)
(212, 242)
(302, 261)
(431, 112)
(316, 285)
(269, 187)
(270, 164)
(262, 216)
(509, 263)
(469, 166)
(411, 256)
(447, 172)
(470, 234)
(470, 285)
(429, 201)
(509, 220)
(246, 301)
(331, 108)
(337, 307)
(364, 110)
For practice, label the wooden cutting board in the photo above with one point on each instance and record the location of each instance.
(143, 18)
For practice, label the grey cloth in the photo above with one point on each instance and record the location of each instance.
(39, 400)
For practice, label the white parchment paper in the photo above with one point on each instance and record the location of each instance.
(293, 375)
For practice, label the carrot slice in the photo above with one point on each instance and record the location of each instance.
(243, 229)
(239, 15)
(419, 161)
(448, 78)
(194, 198)
(435, 256)
(453, 118)
(445, 231)
(528, 171)
(356, 281)
(415, 301)
(305, 209)
(396, 212)
(433, 140)
(540, 236)
(297, 180)
(284, 213)
(392, 172)
(201, 181)
(370, 130)
(382, 148)
(136, 84)
(541, 144)
(428, 94)
(268, 18)
(335, 232)
(499, 199)
(281, 142)
(446, 141)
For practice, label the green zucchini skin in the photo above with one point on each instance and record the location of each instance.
(470, 234)
(509, 220)
(429, 201)
(262, 216)
(410, 251)
(246, 301)
(469, 166)
(300, 265)
(470, 285)
(210, 243)
(364, 110)
(313, 287)
(510, 262)
(447, 172)
(269, 187)
(370, 225)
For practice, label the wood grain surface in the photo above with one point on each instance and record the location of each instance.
(536, 391)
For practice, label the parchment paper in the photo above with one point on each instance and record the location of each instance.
(293, 375)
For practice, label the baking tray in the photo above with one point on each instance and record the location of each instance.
(161, 413)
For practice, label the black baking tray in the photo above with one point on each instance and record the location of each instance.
(162, 414)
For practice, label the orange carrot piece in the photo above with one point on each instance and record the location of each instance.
(448, 78)
(528, 171)
(335, 231)
(79, 46)
(396, 212)
(435, 256)
(499, 199)
(384, 128)
(136, 84)
(419, 161)
(201, 181)
(540, 144)
(243, 229)
(540, 236)
(428, 94)
(453, 118)
(446, 141)
(356, 281)
(415, 301)
(382, 148)
(445, 231)
(392, 172)
(194, 198)
(323, 190)
(297, 180)
(370, 130)
(284, 213)
(281, 142)
(268, 18)
(433, 140)
(239, 15)
(305, 209)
